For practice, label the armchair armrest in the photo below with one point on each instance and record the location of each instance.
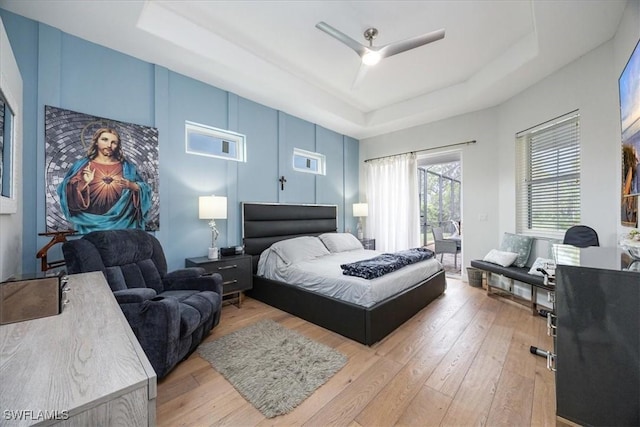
(156, 324)
(134, 295)
(180, 275)
(184, 273)
(211, 282)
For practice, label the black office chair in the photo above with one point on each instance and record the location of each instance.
(581, 236)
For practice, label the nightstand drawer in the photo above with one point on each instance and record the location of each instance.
(235, 271)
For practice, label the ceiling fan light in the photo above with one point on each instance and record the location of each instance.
(371, 57)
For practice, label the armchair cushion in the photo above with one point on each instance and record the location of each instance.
(189, 319)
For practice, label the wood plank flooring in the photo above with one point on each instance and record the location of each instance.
(463, 360)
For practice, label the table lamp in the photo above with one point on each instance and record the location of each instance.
(212, 208)
(360, 210)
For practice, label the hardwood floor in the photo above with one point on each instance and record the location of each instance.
(463, 360)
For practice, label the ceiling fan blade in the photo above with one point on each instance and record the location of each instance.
(362, 71)
(408, 44)
(340, 36)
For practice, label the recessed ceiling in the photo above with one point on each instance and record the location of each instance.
(271, 52)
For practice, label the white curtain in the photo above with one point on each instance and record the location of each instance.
(392, 195)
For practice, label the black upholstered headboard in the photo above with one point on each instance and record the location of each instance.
(266, 223)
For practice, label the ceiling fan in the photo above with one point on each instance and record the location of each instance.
(371, 54)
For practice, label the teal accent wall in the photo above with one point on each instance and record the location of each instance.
(351, 189)
(61, 70)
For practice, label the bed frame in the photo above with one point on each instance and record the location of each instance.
(266, 223)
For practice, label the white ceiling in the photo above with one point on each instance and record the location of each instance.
(271, 52)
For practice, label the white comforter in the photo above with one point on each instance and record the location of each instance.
(324, 275)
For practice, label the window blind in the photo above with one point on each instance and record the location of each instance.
(548, 176)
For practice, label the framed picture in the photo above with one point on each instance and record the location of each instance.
(100, 174)
(629, 87)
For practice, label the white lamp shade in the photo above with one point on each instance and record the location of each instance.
(212, 207)
(360, 209)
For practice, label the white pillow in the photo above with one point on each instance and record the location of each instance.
(340, 242)
(270, 264)
(546, 263)
(299, 249)
(502, 258)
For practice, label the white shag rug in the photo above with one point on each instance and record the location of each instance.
(273, 367)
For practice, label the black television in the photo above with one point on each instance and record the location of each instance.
(629, 90)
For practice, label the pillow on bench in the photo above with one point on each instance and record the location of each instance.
(541, 263)
(502, 258)
(518, 244)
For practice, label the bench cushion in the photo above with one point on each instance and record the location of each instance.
(517, 273)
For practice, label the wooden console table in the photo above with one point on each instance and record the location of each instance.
(81, 367)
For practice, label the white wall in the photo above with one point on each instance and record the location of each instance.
(589, 84)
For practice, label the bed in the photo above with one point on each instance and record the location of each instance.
(264, 224)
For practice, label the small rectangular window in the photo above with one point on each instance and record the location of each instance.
(208, 141)
(308, 161)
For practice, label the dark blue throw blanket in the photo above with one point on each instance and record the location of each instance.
(385, 263)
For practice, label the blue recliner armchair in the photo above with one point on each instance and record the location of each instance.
(170, 313)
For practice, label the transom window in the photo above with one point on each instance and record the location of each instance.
(548, 177)
(308, 161)
(208, 141)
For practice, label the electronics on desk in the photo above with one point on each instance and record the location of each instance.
(232, 250)
(31, 296)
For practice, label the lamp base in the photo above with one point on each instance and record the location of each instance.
(213, 253)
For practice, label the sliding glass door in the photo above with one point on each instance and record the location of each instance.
(439, 197)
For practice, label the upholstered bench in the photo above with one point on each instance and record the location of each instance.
(516, 282)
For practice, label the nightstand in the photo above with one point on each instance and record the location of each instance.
(235, 271)
(368, 243)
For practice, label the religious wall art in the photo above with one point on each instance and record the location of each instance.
(100, 174)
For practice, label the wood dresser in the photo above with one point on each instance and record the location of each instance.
(81, 367)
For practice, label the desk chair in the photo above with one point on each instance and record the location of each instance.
(581, 236)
